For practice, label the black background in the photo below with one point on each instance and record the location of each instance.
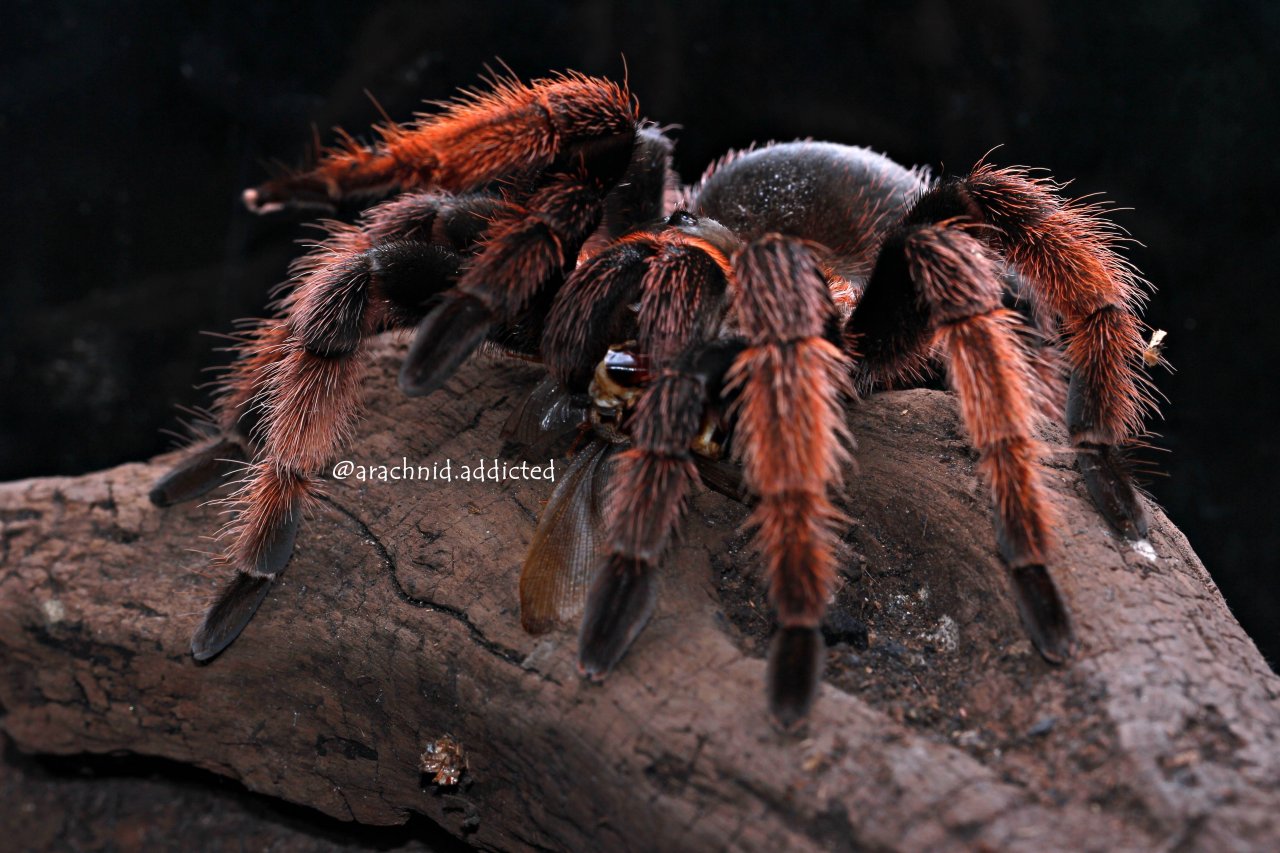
(129, 129)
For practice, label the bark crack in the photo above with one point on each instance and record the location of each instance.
(500, 651)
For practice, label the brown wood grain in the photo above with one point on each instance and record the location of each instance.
(396, 623)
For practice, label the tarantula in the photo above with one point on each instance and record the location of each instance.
(734, 317)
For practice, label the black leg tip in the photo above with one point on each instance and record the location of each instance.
(277, 548)
(1111, 488)
(201, 471)
(1043, 613)
(229, 614)
(443, 341)
(160, 497)
(310, 196)
(619, 605)
(795, 671)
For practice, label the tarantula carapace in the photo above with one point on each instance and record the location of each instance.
(737, 316)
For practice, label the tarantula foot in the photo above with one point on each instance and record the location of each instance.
(795, 670)
(618, 607)
(1043, 613)
(1112, 490)
(198, 473)
(229, 614)
(298, 193)
(443, 341)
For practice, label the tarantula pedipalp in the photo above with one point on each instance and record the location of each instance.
(536, 217)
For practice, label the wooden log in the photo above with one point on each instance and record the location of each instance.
(397, 623)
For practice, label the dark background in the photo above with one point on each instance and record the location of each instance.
(129, 129)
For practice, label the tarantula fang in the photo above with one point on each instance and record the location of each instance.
(712, 333)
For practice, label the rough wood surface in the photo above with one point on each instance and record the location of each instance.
(397, 623)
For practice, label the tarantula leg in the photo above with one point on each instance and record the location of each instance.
(1043, 613)
(679, 284)
(622, 294)
(203, 469)
(481, 137)
(641, 196)
(594, 310)
(646, 502)
(264, 536)
(794, 671)
(619, 604)
(1108, 482)
(240, 599)
(389, 246)
(310, 403)
(208, 463)
(793, 442)
(229, 615)
(943, 285)
(529, 251)
(445, 338)
(681, 299)
(1105, 472)
(309, 387)
(1067, 252)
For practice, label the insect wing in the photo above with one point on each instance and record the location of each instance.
(548, 415)
(567, 545)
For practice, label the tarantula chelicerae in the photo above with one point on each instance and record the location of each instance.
(739, 314)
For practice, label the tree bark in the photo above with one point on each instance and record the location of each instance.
(397, 623)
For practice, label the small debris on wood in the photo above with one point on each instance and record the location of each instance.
(1186, 758)
(1154, 352)
(445, 759)
(945, 637)
(1042, 727)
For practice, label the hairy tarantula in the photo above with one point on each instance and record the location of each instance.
(733, 317)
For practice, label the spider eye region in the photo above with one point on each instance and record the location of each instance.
(682, 217)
